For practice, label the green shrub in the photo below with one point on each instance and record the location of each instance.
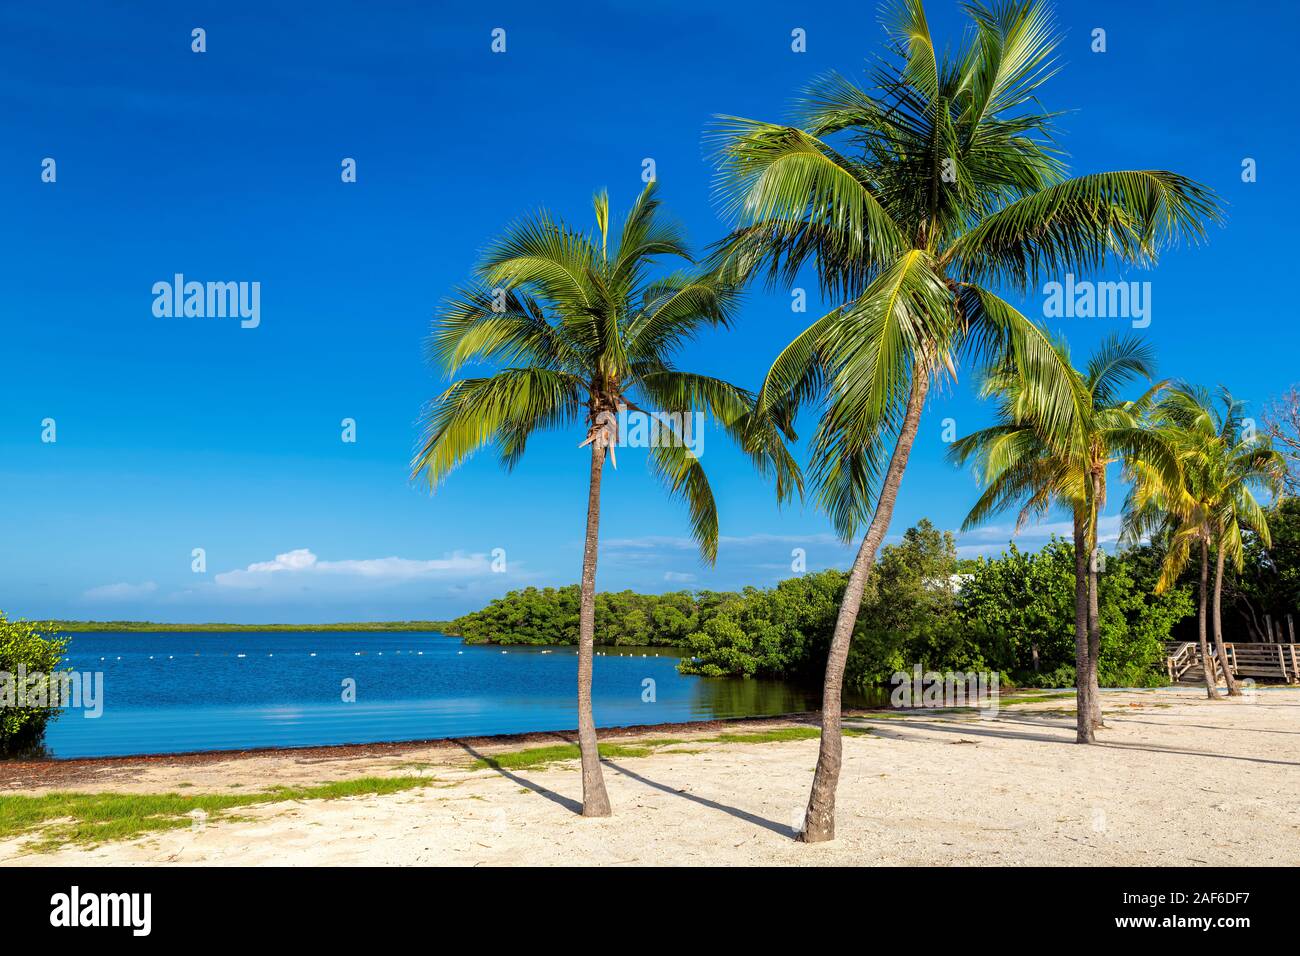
(1013, 614)
(1062, 676)
(26, 654)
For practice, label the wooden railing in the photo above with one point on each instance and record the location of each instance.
(1269, 661)
(1180, 659)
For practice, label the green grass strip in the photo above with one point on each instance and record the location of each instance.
(89, 818)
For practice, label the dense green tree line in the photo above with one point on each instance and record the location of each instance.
(550, 616)
(1013, 613)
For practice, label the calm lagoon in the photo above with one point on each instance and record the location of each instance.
(185, 691)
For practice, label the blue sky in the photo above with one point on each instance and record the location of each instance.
(183, 433)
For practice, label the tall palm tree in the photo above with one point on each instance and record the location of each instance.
(1026, 464)
(576, 332)
(946, 183)
(1209, 505)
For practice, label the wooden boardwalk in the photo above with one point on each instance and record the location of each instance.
(1272, 662)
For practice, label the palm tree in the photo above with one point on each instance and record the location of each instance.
(1023, 463)
(578, 332)
(947, 183)
(1209, 505)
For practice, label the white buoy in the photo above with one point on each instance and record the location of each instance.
(313, 654)
(241, 655)
(171, 657)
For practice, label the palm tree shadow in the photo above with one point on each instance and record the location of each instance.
(567, 802)
(1250, 730)
(988, 731)
(736, 812)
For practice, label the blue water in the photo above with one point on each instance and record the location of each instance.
(172, 693)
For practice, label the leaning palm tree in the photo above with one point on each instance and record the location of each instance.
(578, 332)
(1208, 506)
(1022, 462)
(945, 183)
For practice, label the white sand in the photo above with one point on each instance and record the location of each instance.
(1177, 780)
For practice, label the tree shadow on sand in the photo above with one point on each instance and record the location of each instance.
(736, 812)
(975, 729)
(567, 802)
(576, 806)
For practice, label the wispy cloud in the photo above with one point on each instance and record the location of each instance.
(301, 566)
(994, 539)
(120, 592)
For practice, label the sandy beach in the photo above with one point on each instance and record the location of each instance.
(1176, 780)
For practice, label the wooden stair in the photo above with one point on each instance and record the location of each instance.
(1272, 662)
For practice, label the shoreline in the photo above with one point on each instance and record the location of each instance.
(42, 771)
(20, 768)
(152, 627)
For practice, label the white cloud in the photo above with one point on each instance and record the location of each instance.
(678, 577)
(301, 567)
(993, 539)
(120, 592)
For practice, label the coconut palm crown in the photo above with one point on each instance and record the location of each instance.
(574, 332)
(1208, 503)
(914, 199)
(1023, 464)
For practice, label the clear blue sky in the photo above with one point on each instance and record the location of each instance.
(175, 434)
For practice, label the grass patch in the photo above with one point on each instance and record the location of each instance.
(1032, 697)
(783, 733)
(766, 736)
(535, 757)
(91, 818)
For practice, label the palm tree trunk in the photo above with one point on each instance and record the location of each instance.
(1233, 690)
(1211, 685)
(819, 820)
(1094, 616)
(1082, 667)
(1094, 647)
(595, 801)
